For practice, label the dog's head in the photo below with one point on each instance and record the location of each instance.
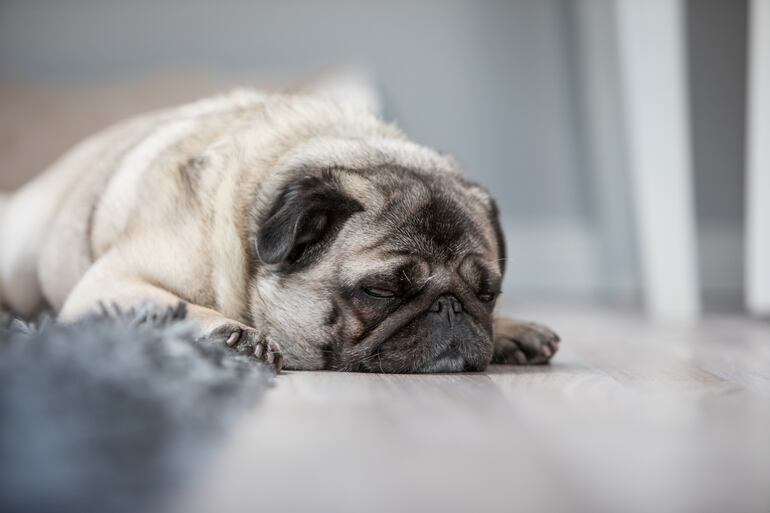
(385, 269)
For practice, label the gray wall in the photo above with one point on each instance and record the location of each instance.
(717, 42)
(484, 80)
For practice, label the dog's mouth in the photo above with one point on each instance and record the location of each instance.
(463, 353)
(431, 337)
(451, 364)
(447, 363)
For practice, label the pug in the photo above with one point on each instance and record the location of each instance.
(305, 232)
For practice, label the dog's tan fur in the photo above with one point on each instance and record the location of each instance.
(159, 207)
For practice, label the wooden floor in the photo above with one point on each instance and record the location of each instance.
(630, 417)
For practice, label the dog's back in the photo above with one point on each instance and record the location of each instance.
(44, 226)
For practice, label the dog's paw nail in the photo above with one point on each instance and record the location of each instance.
(547, 351)
(520, 357)
(259, 350)
(233, 338)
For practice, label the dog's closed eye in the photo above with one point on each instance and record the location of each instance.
(380, 293)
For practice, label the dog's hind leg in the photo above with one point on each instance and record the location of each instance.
(28, 217)
(4, 198)
(23, 223)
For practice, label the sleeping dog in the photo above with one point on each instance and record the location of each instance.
(303, 231)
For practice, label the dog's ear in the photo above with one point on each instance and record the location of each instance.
(494, 218)
(308, 211)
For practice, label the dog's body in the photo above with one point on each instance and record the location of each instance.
(276, 218)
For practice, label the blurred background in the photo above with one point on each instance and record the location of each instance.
(612, 132)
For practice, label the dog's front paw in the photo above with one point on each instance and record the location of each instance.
(524, 343)
(250, 342)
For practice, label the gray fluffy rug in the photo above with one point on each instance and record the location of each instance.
(114, 413)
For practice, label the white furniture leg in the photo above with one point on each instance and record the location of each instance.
(651, 36)
(758, 161)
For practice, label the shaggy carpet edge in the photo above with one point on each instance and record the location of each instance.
(114, 412)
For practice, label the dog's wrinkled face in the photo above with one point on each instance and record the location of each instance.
(391, 270)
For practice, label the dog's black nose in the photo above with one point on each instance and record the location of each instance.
(447, 305)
